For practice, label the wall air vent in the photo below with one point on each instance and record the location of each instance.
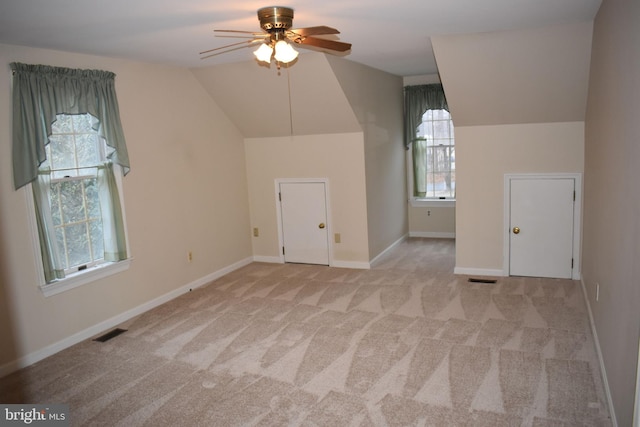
(474, 280)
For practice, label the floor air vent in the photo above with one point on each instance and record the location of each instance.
(110, 334)
(474, 280)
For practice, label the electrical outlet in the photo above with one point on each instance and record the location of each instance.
(189, 256)
(428, 213)
(337, 238)
(256, 232)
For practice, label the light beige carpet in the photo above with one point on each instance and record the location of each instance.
(407, 343)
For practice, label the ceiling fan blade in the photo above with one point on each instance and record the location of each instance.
(315, 31)
(255, 36)
(324, 43)
(224, 51)
(246, 43)
(238, 31)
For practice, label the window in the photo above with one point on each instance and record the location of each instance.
(434, 157)
(69, 146)
(74, 153)
(82, 210)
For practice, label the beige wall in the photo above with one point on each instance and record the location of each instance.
(336, 157)
(611, 248)
(432, 221)
(536, 75)
(186, 191)
(484, 154)
(365, 169)
(377, 101)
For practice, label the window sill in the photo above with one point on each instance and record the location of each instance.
(83, 277)
(432, 203)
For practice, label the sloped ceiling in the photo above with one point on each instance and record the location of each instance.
(537, 75)
(520, 76)
(305, 99)
(393, 36)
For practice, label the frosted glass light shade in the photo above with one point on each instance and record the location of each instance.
(284, 52)
(263, 53)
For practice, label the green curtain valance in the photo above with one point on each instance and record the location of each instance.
(417, 100)
(40, 92)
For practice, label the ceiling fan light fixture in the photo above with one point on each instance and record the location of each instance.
(285, 53)
(263, 53)
(278, 37)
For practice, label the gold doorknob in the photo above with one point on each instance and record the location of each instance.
(516, 230)
(321, 225)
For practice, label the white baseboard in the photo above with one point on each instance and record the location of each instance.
(338, 264)
(605, 382)
(351, 264)
(49, 350)
(389, 248)
(269, 259)
(360, 265)
(636, 408)
(478, 271)
(432, 234)
(10, 367)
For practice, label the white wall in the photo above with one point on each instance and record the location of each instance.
(186, 191)
(484, 154)
(611, 248)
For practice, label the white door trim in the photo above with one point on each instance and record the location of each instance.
(577, 216)
(324, 181)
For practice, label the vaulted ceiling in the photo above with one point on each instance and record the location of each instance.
(393, 36)
(305, 99)
(500, 61)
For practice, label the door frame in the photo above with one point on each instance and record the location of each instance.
(324, 181)
(577, 216)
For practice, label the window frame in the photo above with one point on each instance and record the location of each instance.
(78, 172)
(428, 202)
(81, 277)
(79, 178)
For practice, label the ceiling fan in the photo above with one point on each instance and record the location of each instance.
(275, 39)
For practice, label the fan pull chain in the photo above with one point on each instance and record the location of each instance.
(290, 108)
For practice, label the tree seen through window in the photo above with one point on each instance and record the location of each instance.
(74, 153)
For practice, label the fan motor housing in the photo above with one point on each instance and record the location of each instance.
(275, 18)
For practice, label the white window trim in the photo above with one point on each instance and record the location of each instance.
(78, 278)
(83, 277)
(426, 202)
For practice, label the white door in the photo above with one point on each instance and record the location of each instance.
(541, 227)
(304, 222)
